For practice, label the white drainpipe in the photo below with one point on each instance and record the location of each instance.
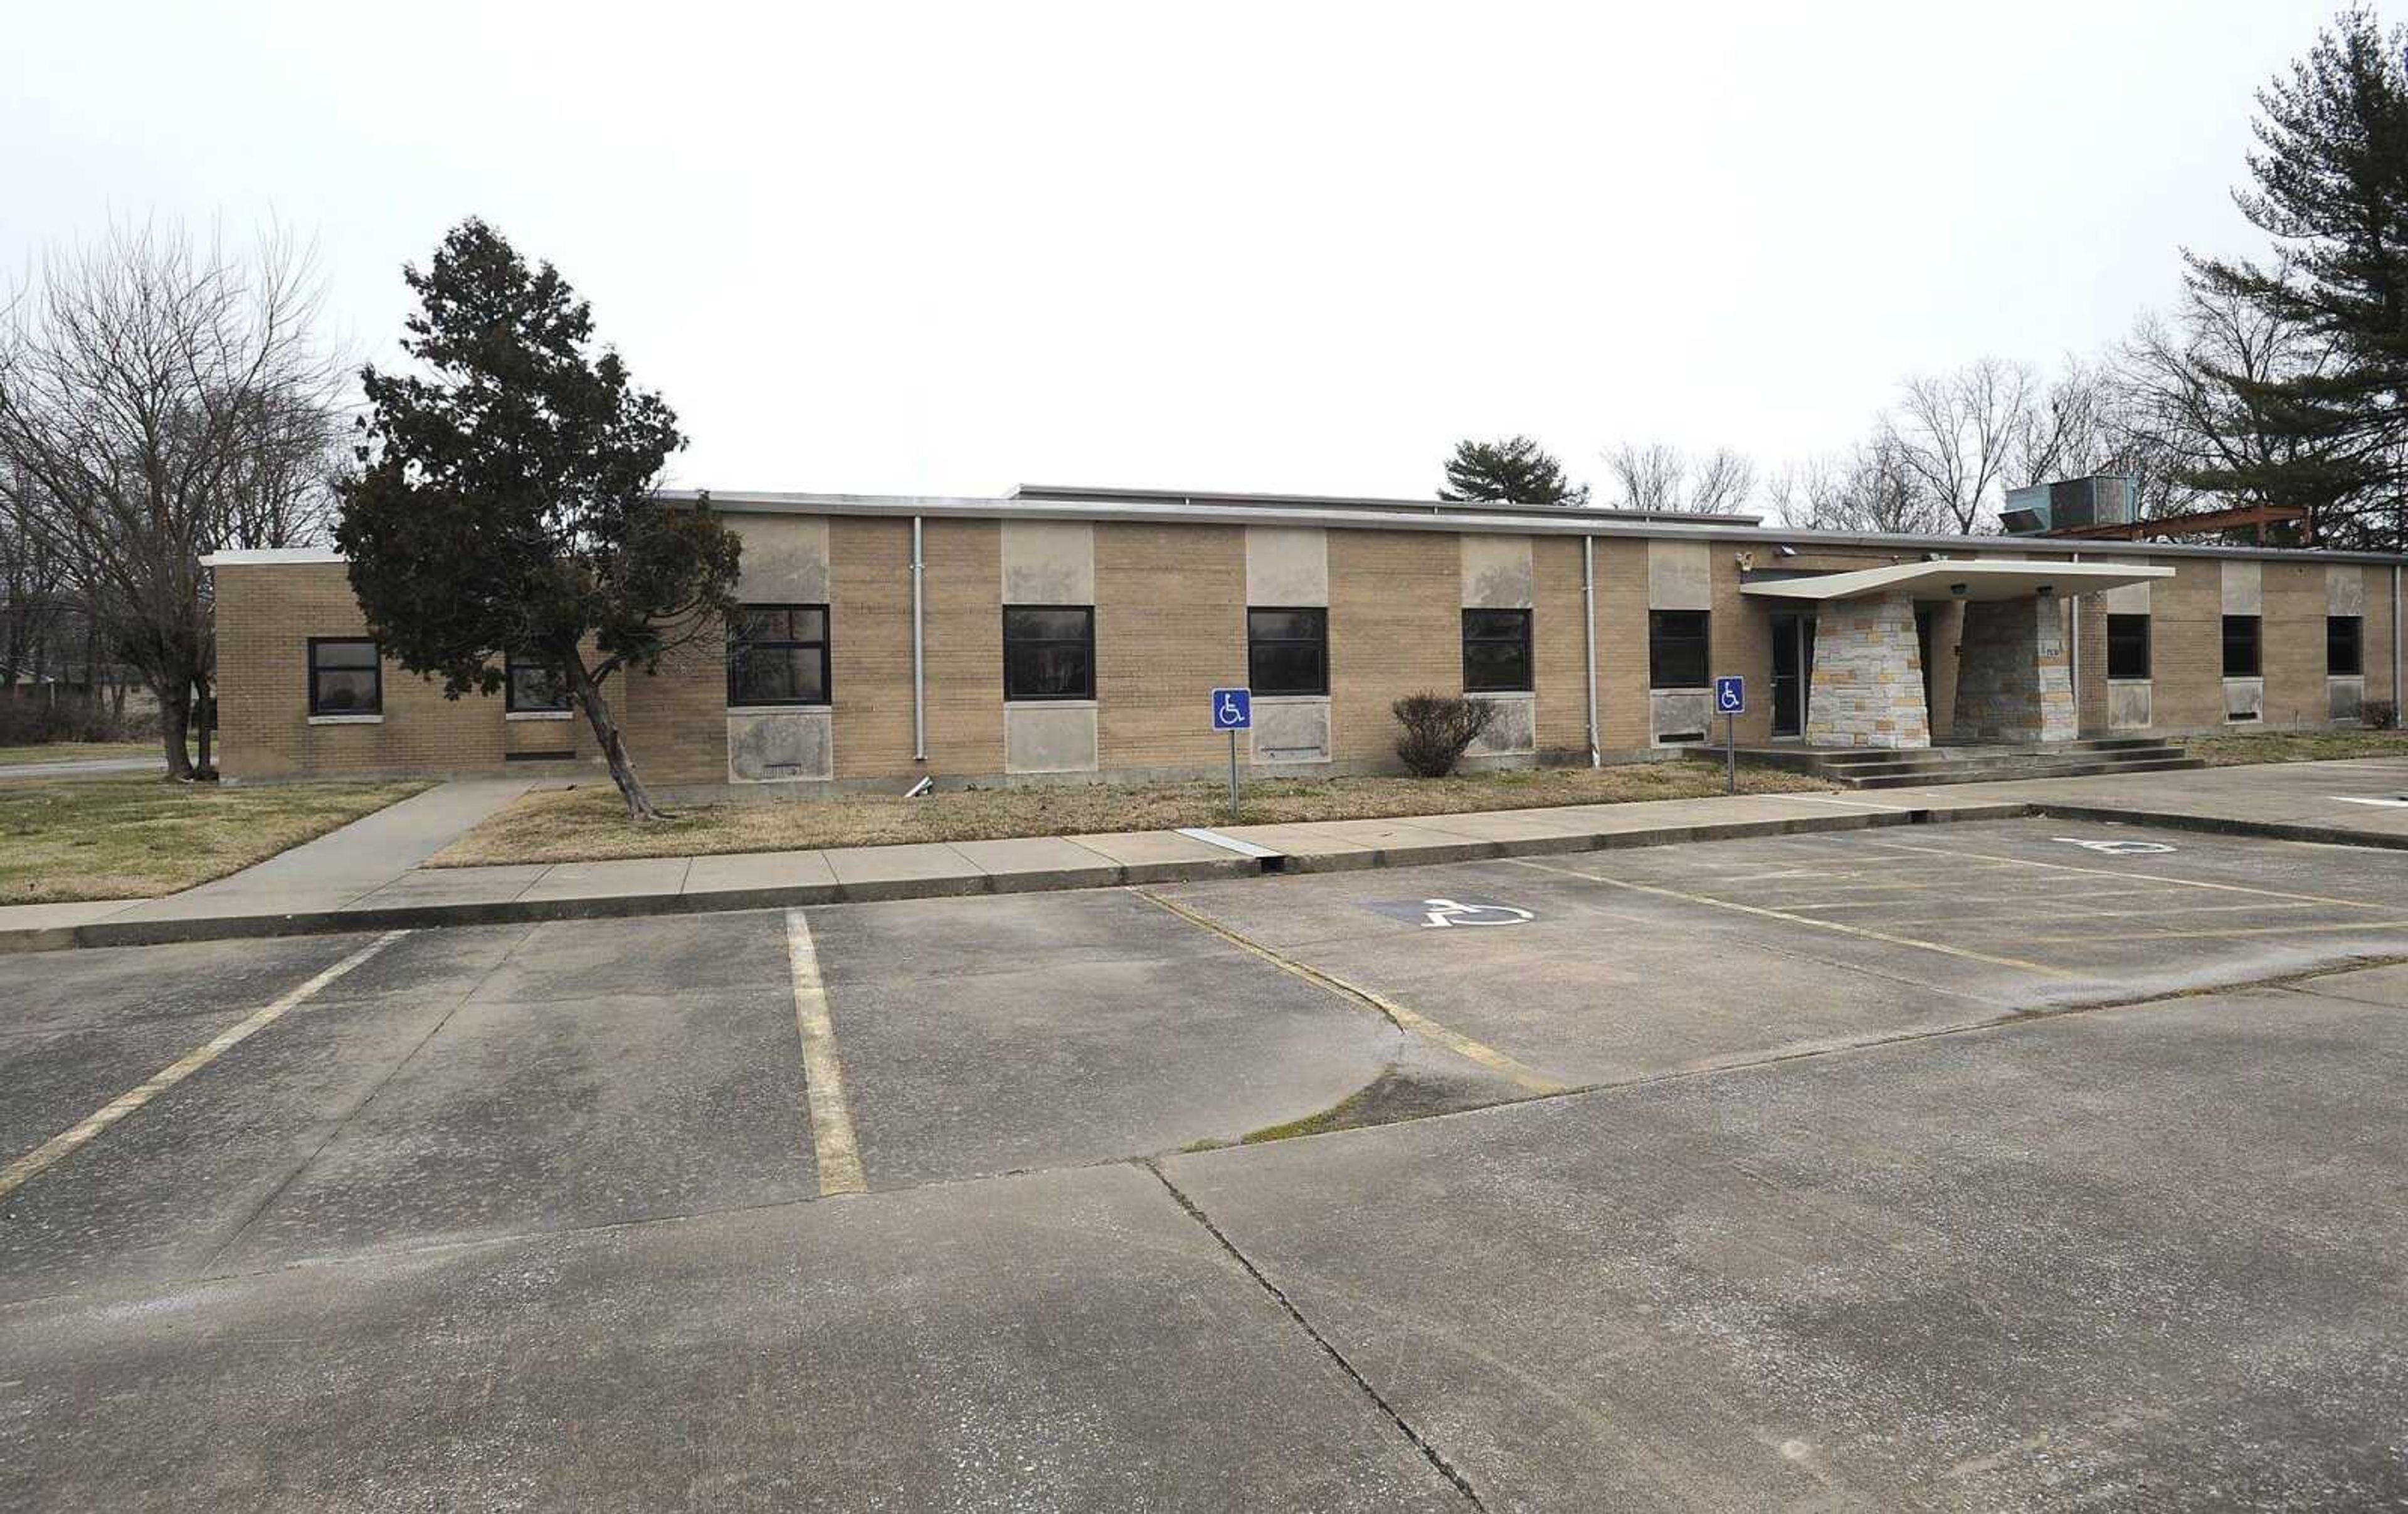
(1588, 641)
(2399, 695)
(919, 673)
(2073, 641)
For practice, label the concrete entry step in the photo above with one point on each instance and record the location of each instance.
(1878, 768)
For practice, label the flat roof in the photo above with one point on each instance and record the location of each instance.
(1500, 520)
(1959, 579)
(1328, 501)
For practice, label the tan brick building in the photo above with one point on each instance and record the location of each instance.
(1062, 635)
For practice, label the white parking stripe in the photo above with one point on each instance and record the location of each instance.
(32, 1163)
(832, 1140)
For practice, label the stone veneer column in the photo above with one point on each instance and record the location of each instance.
(2012, 680)
(1868, 688)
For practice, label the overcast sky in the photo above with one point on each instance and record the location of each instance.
(931, 248)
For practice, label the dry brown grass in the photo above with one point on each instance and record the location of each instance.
(588, 823)
(137, 837)
(2295, 747)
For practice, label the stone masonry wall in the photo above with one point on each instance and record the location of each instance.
(2013, 682)
(1867, 687)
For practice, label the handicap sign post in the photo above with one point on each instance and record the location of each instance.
(1233, 710)
(1731, 702)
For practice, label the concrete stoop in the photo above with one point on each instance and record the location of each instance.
(1881, 768)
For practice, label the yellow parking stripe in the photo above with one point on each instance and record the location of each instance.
(1520, 1073)
(833, 1145)
(35, 1163)
(2015, 962)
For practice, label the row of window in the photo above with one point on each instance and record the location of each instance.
(2127, 646)
(346, 678)
(779, 654)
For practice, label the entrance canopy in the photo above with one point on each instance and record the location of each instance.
(1953, 578)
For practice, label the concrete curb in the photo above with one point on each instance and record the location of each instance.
(616, 906)
(2212, 825)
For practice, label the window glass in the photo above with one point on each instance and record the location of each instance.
(778, 653)
(2127, 646)
(1049, 652)
(2345, 645)
(2241, 646)
(1676, 649)
(1496, 651)
(1287, 650)
(344, 678)
(528, 685)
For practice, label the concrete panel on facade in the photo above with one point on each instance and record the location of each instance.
(785, 558)
(2344, 697)
(2344, 589)
(1048, 562)
(1287, 566)
(1290, 729)
(1680, 575)
(780, 746)
(1679, 715)
(2129, 704)
(1049, 737)
(1497, 574)
(1513, 730)
(2244, 700)
(2244, 587)
(2129, 598)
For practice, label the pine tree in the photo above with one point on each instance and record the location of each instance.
(506, 503)
(2331, 177)
(1513, 471)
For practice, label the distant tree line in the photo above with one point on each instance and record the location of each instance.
(2279, 381)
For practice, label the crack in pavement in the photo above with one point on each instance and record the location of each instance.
(1421, 1443)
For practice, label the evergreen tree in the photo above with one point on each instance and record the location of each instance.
(2331, 177)
(506, 502)
(1513, 471)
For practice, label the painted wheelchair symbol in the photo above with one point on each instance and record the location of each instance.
(1445, 914)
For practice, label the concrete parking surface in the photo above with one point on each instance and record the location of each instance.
(2027, 1164)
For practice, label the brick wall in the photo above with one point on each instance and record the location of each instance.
(1396, 627)
(265, 615)
(674, 720)
(2187, 645)
(1170, 627)
(2294, 644)
(1559, 669)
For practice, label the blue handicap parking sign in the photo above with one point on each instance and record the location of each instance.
(1730, 696)
(1233, 708)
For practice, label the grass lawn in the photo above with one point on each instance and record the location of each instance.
(587, 823)
(135, 837)
(2295, 747)
(76, 752)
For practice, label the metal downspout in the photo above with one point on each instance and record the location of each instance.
(1588, 641)
(2399, 695)
(919, 653)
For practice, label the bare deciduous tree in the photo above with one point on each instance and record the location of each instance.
(1871, 488)
(1663, 478)
(1957, 434)
(161, 398)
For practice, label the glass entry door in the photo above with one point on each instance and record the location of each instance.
(1792, 671)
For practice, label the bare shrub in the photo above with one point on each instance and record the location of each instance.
(2380, 714)
(1439, 729)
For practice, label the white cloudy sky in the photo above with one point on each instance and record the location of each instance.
(928, 248)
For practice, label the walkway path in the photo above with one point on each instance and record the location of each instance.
(367, 875)
(85, 768)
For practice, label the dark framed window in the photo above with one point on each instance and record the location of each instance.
(1497, 652)
(778, 653)
(1049, 652)
(2345, 645)
(2241, 647)
(1287, 650)
(1676, 649)
(530, 687)
(2127, 646)
(345, 677)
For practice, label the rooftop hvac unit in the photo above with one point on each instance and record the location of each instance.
(2101, 499)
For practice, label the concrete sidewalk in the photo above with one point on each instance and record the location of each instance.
(82, 768)
(367, 876)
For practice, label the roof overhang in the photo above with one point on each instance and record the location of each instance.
(1961, 578)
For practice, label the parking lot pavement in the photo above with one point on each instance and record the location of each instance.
(2128, 1257)
(539, 1213)
(1069, 1341)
